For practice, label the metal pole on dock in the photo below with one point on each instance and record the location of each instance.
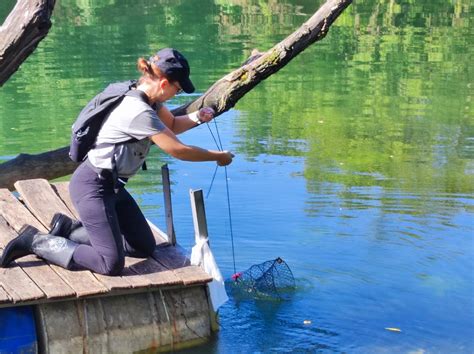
(165, 175)
(199, 214)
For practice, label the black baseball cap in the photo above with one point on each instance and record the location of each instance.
(174, 65)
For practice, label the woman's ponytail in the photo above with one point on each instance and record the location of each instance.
(144, 67)
(148, 70)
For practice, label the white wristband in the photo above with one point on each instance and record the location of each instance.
(195, 117)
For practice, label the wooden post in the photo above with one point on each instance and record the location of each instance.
(165, 174)
(199, 214)
(200, 232)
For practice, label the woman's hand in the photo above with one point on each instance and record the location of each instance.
(206, 114)
(225, 158)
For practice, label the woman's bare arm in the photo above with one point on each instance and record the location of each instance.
(170, 144)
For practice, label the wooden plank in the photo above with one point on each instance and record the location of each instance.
(13, 279)
(4, 298)
(140, 273)
(18, 285)
(16, 215)
(38, 193)
(153, 271)
(174, 259)
(83, 282)
(171, 257)
(62, 190)
(135, 279)
(41, 199)
(113, 282)
(45, 278)
(192, 275)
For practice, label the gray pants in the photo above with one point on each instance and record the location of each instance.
(107, 216)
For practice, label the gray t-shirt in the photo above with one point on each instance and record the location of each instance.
(132, 118)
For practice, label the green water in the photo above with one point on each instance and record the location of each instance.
(355, 163)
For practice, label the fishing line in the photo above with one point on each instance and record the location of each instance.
(268, 279)
(213, 137)
(212, 181)
(230, 217)
(220, 148)
(218, 135)
(215, 169)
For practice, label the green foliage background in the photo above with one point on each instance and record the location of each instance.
(385, 99)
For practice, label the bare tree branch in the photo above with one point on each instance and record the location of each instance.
(27, 24)
(225, 93)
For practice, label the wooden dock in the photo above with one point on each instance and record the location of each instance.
(160, 302)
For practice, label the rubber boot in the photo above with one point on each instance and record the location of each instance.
(19, 246)
(63, 225)
(54, 249)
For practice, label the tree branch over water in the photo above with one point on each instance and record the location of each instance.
(222, 95)
(27, 24)
(225, 93)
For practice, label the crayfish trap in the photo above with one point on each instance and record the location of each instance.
(272, 279)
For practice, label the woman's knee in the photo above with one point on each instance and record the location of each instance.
(87, 257)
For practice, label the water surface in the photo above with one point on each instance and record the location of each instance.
(355, 163)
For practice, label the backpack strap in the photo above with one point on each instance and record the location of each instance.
(144, 97)
(115, 177)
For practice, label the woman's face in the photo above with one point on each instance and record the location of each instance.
(167, 89)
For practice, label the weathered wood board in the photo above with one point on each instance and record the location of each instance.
(16, 215)
(41, 199)
(62, 190)
(32, 280)
(14, 280)
(4, 298)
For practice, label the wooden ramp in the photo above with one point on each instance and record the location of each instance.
(31, 280)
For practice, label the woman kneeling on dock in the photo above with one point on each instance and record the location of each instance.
(112, 224)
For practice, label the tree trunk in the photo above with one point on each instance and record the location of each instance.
(222, 95)
(27, 24)
(49, 165)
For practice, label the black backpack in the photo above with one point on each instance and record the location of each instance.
(88, 123)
